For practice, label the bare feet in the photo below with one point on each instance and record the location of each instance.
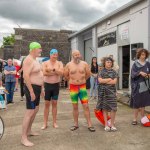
(26, 143)
(33, 134)
(55, 125)
(43, 127)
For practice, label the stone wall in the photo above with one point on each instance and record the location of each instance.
(8, 52)
(47, 38)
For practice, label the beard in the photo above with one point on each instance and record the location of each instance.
(77, 60)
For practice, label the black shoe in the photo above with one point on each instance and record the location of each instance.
(7, 103)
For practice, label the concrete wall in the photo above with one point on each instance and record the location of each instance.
(74, 43)
(107, 50)
(139, 24)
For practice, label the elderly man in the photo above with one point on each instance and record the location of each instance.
(52, 71)
(77, 72)
(33, 77)
(10, 80)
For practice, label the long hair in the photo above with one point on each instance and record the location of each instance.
(92, 61)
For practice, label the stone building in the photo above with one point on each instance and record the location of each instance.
(47, 38)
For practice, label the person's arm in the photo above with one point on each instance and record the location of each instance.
(60, 70)
(113, 81)
(47, 71)
(104, 81)
(135, 72)
(87, 70)
(20, 70)
(66, 72)
(14, 71)
(6, 72)
(27, 68)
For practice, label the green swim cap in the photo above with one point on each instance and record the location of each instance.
(34, 45)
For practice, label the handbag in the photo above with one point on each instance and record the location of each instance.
(147, 82)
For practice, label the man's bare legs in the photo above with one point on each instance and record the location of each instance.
(25, 126)
(75, 114)
(30, 132)
(87, 114)
(54, 113)
(46, 114)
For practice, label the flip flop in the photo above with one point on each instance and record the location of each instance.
(92, 129)
(73, 128)
(134, 122)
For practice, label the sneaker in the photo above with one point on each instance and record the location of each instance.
(107, 128)
(113, 129)
(21, 99)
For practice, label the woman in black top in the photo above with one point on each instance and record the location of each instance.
(93, 78)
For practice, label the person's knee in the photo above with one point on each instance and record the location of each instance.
(47, 104)
(36, 109)
(86, 107)
(75, 107)
(30, 113)
(54, 103)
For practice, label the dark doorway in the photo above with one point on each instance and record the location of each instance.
(126, 66)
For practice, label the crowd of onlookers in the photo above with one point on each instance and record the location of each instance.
(11, 71)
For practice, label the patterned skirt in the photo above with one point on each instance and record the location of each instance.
(107, 99)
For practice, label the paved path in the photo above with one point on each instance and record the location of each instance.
(127, 137)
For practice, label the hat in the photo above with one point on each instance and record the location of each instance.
(34, 45)
(53, 51)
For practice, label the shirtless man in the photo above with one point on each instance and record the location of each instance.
(52, 71)
(33, 77)
(77, 72)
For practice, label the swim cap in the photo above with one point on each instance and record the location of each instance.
(34, 45)
(53, 51)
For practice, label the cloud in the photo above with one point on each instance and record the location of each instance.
(25, 11)
(53, 14)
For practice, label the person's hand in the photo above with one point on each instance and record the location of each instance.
(32, 96)
(8, 72)
(143, 74)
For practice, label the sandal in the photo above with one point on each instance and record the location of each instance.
(73, 128)
(113, 128)
(107, 129)
(134, 122)
(92, 129)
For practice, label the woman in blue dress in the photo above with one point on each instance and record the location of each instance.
(140, 85)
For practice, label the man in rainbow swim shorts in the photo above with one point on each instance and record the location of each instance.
(77, 72)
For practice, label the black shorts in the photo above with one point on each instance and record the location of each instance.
(37, 91)
(51, 91)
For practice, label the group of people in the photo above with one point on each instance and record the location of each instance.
(43, 80)
(9, 75)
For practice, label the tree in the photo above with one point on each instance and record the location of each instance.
(9, 40)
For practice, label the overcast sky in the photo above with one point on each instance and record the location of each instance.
(53, 14)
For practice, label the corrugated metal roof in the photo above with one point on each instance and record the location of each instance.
(126, 6)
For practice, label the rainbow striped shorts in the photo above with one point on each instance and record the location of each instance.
(78, 91)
